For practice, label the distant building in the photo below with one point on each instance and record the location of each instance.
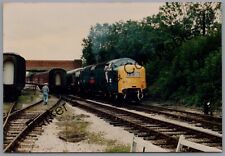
(43, 65)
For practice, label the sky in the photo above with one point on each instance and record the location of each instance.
(54, 31)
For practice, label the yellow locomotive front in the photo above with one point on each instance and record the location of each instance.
(132, 82)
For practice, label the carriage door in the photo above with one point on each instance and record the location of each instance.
(57, 79)
(8, 72)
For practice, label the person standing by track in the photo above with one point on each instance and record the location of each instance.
(45, 91)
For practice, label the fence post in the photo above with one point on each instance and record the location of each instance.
(179, 145)
(143, 149)
(183, 142)
(134, 145)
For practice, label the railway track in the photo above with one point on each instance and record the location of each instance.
(160, 132)
(6, 116)
(23, 126)
(194, 114)
(195, 119)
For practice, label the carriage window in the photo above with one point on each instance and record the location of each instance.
(57, 80)
(8, 73)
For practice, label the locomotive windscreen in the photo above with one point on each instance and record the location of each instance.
(120, 62)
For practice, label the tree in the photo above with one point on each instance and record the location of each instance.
(180, 48)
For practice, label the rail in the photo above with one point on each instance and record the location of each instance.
(29, 126)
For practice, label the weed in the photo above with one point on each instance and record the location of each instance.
(96, 138)
(111, 145)
(6, 107)
(73, 128)
(27, 97)
(120, 148)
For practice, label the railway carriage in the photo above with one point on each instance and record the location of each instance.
(14, 75)
(56, 79)
(100, 83)
(73, 81)
(86, 80)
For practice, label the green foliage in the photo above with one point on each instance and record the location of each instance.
(180, 48)
(195, 76)
(27, 97)
(120, 148)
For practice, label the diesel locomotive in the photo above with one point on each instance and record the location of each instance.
(14, 74)
(55, 78)
(116, 79)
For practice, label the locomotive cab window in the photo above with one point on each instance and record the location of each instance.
(121, 62)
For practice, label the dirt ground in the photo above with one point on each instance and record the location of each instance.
(50, 142)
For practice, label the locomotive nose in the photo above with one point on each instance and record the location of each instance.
(132, 81)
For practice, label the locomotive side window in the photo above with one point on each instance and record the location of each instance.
(77, 74)
(57, 80)
(8, 72)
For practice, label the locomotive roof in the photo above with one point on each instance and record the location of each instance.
(116, 62)
(120, 59)
(111, 61)
(74, 70)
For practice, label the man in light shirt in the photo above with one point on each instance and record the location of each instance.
(45, 91)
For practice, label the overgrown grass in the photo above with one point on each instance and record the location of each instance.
(73, 131)
(73, 128)
(97, 138)
(27, 96)
(6, 107)
(119, 148)
(111, 145)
